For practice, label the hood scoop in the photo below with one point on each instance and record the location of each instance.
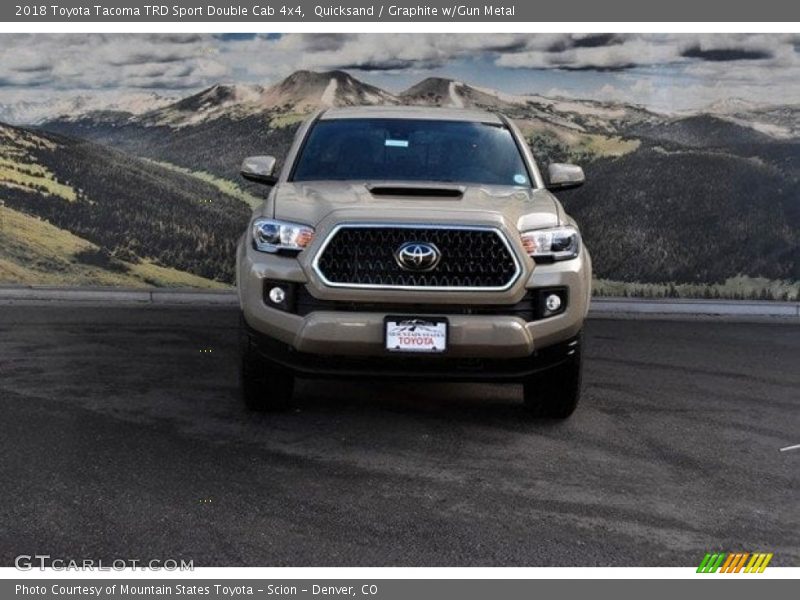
(418, 191)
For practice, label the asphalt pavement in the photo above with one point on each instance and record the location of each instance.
(122, 436)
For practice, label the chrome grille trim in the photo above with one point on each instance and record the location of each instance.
(391, 225)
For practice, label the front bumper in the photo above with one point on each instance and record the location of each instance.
(355, 333)
(405, 367)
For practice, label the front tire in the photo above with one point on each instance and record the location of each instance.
(555, 393)
(265, 387)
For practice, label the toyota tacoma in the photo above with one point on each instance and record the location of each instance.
(413, 243)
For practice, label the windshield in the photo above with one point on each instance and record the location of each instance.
(411, 150)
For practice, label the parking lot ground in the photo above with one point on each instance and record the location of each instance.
(122, 436)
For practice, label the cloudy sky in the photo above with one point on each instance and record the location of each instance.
(662, 71)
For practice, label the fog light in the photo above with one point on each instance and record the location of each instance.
(277, 295)
(552, 303)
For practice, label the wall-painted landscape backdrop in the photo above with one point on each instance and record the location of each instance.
(119, 153)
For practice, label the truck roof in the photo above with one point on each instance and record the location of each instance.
(410, 112)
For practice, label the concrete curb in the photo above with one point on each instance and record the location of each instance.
(103, 295)
(600, 308)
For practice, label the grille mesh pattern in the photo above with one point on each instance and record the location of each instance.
(471, 258)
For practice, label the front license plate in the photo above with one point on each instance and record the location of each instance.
(416, 334)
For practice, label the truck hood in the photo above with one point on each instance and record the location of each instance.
(327, 203)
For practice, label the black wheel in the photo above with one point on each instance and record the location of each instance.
(264, 385)
(555, 392)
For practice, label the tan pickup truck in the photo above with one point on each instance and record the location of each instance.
(412, 243)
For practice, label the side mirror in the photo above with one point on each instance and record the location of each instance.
(259, 169)
(563, 176)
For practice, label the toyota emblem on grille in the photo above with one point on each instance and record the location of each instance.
(418, 256)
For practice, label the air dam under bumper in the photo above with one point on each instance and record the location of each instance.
(334, 333)
(409, 366)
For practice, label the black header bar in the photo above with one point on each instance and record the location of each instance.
(399, 11)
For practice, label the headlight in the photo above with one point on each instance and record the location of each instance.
(274, 236)
(559, 243)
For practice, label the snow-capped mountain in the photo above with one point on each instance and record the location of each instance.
(439, 91)
(778, 121)
(70, 107)
(301, 92)
(564, 113)
(730, 106)
(307, 90)
(214, 102)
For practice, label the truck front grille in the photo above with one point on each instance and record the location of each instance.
(472, 258)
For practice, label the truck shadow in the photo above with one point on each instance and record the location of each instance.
(492, 405)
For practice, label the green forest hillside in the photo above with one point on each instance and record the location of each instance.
(124, 218)
(34, 252)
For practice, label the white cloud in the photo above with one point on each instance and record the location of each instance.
(106, 61)
(645, 68)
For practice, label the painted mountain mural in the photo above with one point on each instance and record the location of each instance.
(702, 202)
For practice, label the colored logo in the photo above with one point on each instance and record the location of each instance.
(734, 562)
